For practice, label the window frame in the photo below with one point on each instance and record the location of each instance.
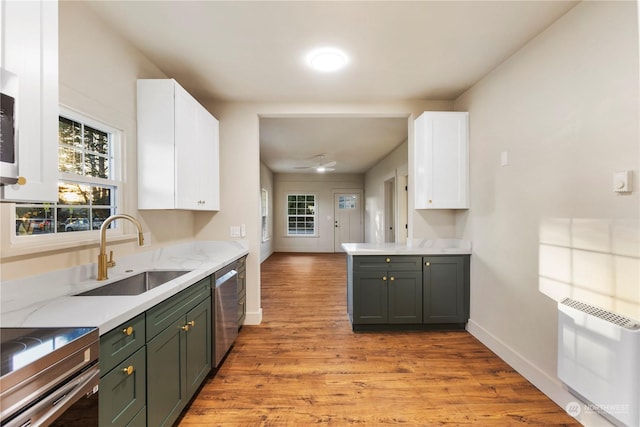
(52, 241)
(287, 215)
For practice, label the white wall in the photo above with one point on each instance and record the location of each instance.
(266, 183)
(392, 166)
(322, 185)
(565, 109)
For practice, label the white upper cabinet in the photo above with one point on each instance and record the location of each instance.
(29, 62)
(441, 162)
(178, 157)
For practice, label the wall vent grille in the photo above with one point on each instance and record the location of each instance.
(616, 319)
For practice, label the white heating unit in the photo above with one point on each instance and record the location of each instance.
(599, 360)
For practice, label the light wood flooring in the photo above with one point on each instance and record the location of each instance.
(303, 365)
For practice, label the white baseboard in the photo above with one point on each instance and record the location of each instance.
(253, 317)
(550, 386)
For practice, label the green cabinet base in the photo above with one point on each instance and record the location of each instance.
(402, 292)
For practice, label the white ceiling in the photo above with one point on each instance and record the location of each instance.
(398, 50)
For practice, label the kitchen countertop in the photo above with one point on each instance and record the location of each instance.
(48, 300)
(416, 247)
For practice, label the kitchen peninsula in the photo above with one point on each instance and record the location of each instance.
(424, 285)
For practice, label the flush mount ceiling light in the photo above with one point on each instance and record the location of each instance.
(327, 59)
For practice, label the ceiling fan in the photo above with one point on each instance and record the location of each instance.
(321, 165)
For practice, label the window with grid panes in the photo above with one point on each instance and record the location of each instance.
(87, 184)
(301, 215)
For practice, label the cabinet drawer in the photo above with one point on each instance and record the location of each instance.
(123, 391)
(390, 262)
(120, 342)
(167, 312)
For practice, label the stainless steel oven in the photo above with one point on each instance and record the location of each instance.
(49, 377)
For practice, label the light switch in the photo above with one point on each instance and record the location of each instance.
(235, 231)
(504, 158)
(622, 181)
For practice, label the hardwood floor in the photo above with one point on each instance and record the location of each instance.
(303, 365)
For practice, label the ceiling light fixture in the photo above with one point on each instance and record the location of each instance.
(327, 59)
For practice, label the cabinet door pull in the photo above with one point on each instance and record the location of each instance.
(128, 370)
(128, 330)
(388, 260)
(427, 264)
(189, 324)
(392, 278)
(384, 278)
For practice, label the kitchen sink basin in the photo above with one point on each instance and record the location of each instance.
(136, 285)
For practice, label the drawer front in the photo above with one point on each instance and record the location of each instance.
(121, 342)
(123, 391)
(167, 312)
(390, 262)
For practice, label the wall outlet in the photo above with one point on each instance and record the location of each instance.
(147, 239)
(243, 230)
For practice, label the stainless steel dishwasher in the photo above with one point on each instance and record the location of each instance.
(225, 309)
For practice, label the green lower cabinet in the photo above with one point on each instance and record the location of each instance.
(446, 289)
(412, 292)
(386, 290)
(405, 297)
(198, 345)
(178, 360)
(388, 297)
(154, 363)
(166, 383)
(123, 392)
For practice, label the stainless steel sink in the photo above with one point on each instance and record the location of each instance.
(136, 285)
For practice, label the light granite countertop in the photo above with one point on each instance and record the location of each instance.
(416, 247)
(48, 300)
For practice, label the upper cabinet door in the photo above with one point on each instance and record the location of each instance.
(178, 159)
(29, 36)
(441, 163)
(209, 152)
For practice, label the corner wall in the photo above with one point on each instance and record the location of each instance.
(395, 166)
(565, 110)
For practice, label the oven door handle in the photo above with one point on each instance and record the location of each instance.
(51, 407)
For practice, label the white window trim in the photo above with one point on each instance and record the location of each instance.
(286, 215)
(264, 213)
(21, 245)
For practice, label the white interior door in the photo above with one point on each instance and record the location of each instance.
(347, 214)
